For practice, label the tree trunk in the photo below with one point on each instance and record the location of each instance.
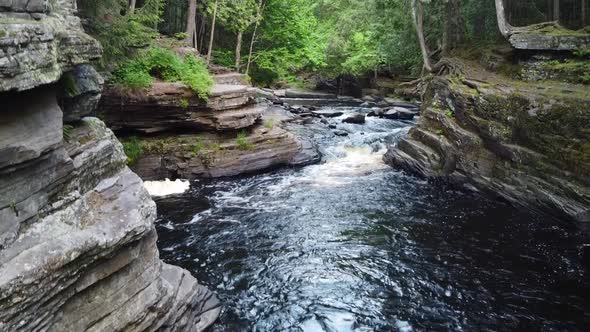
(453, 31)
(258, 18)
(556, 12)
(191, 24)
(212, 32)
(132, 6)
(418, 16)
(503, 25)
(239, 50)
(583, 10)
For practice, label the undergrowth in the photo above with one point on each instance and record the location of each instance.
(133, 149)
(164, 64)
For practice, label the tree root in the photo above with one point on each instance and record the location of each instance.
(448, 66)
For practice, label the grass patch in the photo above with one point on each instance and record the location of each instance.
(575, 70)
(160, 63)
(133, 149)
(242, 141)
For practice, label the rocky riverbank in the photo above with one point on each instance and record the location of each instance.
(526, 142)
(77, 239)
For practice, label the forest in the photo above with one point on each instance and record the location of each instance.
(280, 41)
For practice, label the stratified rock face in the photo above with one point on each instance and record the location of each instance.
(39, 40)
(169, 106)
(537, 41)
(77, 241)
(221, 155)
(526, 145)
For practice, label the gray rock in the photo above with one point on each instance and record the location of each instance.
(289, 93)
(356, 119)
(82, 88)
(477, 148)
(36, 52)
(398, 113)
(169, 106)
(328, 113)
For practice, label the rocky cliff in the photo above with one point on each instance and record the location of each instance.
(77, 240)
(527, 142)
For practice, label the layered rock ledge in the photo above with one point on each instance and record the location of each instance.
(180, 136)
(77, 238)
(525, 142)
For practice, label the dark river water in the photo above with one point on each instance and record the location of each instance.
(353, 245)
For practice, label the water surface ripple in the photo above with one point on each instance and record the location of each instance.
(352, 245)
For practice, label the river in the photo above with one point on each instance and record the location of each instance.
(353, 245)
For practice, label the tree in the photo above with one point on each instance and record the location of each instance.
(191, 24)
(253, 39)
(418, 16)
(132, 6)
(212, 35)
(503, 25)
(238, 16)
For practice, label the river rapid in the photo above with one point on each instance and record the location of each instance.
(351, 244)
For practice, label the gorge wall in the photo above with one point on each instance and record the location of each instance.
(77, 239)
(527, 142)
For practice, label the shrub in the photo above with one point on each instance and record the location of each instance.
(164, 64)
(133, 149)
(180, 35)
(242, 141)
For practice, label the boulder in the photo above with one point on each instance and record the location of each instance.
(328, 113)
(398, 113)
(356, 119)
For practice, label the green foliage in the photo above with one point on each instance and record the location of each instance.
(133, 149)
(575, 70)
(180, 35)
(449, 114)
(120, 33)
(288, 41)
(224, 58)
(183, 103)
(236, 15)
(164, 64)
(197, 147)
(67, 132)
(242, 141)
(583, 53)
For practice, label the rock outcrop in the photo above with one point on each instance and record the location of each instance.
(77, 240)
(169, 106)
(181, 136)
(525, 142)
